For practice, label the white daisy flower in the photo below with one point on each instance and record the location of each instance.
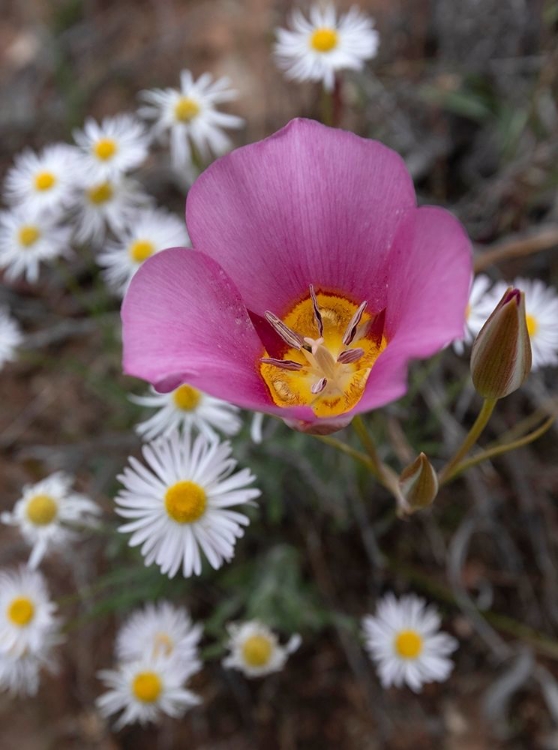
(26, 611)
(403, 639)
(256, 427)
(20, 673)
(42, 181)
(185, 408)
(151, 231)
(106, 204)
(10, 337)
(478, 309)
(27, 239)
(112, 148)
(159, 630)
(189, 115)
(541, 310)
(255, 650)
(43, 511)
(145, 690)
(181, 503)
(315, 49)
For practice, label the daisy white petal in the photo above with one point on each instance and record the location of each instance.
(10, 337)
(27, 239)
(479, 308)
(45, 511)
(42, 181)
(20, 673)
(186, 408)
(113, 147)
(255, 649)
(152, 230)
(315, 49)
(189, 116)
(159, 630)
(178, 498)
(402, 639)
(26, 612)
(145, 690)
(106, 204)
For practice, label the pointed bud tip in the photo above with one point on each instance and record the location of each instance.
(418, 484)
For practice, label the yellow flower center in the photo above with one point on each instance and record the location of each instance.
(147, 687)
(28, 235)
(332, 345)
(44, 181)
(324, 40)
(141, 250)
(408, 644)
(185, 502)
(21, 611)
(100, 193)
(257, 650)
(163, 645)
(186, 398)
(105, 149)
(186, 109)
(41, 510)
(532, 325)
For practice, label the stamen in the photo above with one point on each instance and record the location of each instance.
(353, 324)
(289, 337)
(375, 328)
(317, 313)
(319, 386)
(349, 356)
(284, 364)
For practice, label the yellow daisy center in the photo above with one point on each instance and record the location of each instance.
(163, 645)
(100, 193)
(21, 611)
(257, 650)
(44, 181)
(186, 109)
(331, 347)
(186, 398)
(532, 324)
(41, 510)
(141, 250)
(185, 501)
(324, 40)
(105, 148)
(28, 235)
(147, 687)
(408, 644)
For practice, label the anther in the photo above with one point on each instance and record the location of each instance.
(289, 337)
(317, 313)
(284, 364)
(350, 355)
(319, 386)
(351, 329)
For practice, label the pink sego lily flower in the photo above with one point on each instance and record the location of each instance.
(313, 282)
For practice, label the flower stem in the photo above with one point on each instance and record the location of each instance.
(383, 473)
(473, 435)
(497, 450)
(327, 106)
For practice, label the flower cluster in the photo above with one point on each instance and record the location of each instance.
(157, 653)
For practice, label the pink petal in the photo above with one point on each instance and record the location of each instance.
(184, 321)
(430, 270)
(309, 205)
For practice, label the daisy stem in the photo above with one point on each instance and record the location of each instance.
(497, 450)
(327, 106)
(473, 435)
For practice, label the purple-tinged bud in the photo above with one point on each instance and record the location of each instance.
(418, 484)
(501, 354)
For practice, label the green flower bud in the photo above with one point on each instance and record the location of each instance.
(501, 354)
(418, 484)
